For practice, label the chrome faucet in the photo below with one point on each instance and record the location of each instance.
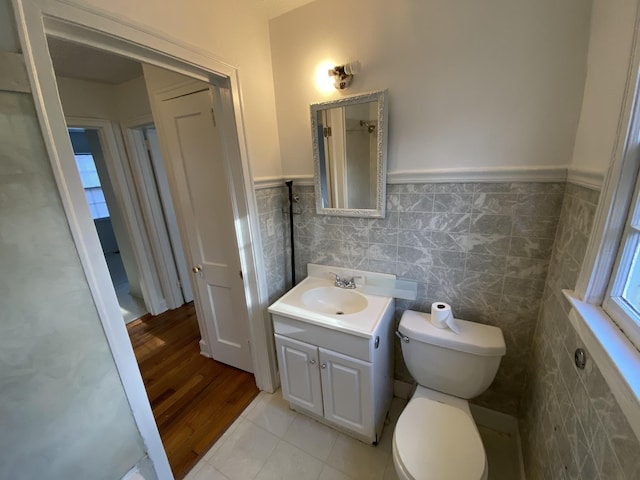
(343, 282)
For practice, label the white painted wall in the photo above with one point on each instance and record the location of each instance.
(612, 25)
(81, 98)
(236, 32)
(119, 103)
(86, 99)
(132, 100)
(471, 84)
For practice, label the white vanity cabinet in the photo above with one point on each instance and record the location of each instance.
(327, 383)
(340, 378)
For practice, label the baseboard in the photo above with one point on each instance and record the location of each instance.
(403, 390)
(204, 349)
(500, 422)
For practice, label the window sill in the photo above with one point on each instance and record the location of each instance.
(615, 355)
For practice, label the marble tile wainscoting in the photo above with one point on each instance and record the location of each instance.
(272, 203)
(571, 425)
(484, 248)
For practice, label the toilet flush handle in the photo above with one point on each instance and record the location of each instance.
(404, 338)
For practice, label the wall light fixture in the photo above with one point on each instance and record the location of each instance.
(343, 74)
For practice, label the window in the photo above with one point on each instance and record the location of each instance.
(88, 173)
(91, 184)
(622, 301)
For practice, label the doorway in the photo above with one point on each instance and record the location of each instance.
(128, 176)
(107, 218)
(37, 18)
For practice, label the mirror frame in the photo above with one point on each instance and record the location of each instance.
(380, 97)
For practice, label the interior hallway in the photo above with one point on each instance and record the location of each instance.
(194, 399)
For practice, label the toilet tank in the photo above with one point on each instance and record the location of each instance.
(462, 364)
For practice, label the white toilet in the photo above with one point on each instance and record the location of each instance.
(436, 437)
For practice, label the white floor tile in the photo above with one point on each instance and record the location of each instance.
(251, 447)
(253, 403)
(272, 413)
(206, 472)
(244, 452)
(390, 471)
(397, 406)
(502, 455)
(290, 463)
(311, 436)
(358, 460)
(194, 471)
(330, 473)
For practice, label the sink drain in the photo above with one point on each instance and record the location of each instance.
(339, 312)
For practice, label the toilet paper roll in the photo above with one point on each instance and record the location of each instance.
(442, 316)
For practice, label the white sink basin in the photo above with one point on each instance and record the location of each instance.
(333, 300)
(317, 301)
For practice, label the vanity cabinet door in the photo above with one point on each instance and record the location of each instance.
(299, 373)
(347, 391)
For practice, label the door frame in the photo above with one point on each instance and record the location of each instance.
(88, 25)
(127, 200)
(160, 233)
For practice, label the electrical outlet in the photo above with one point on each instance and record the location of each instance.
(270, 230)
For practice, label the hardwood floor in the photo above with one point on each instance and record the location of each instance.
(194, 399)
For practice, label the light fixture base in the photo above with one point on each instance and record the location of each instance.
(343, 74)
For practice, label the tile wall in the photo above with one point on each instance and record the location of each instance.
(571, 425)
(484, 248)
(272, 203)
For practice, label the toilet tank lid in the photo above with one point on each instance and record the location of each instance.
(475, 338)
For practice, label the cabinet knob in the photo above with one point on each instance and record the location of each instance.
(312, 361)
(323, 366)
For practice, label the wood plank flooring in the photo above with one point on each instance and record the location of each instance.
(194, 399)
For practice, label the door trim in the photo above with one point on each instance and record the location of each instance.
(94, 27)
(120, 175)
(152, 210)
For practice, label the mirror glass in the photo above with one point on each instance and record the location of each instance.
(349, 149)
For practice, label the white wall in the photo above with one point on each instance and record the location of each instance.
(471, 84)
(81, 98)
(132, 100)
(86, 99)
(612, 26)
(119, 103)
(236, 32)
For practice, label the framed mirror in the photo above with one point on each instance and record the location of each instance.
(350, 155)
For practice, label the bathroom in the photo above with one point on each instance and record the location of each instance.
(502, 120)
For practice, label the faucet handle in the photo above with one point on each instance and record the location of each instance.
(337, 277)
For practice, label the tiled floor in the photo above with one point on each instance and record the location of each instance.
(270, 441)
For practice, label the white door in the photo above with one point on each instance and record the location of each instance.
(299, 375)
(347, 391)
(196, 158)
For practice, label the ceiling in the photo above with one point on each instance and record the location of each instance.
(276, 8)
(78, 61)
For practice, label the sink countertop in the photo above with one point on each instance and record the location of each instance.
(362, 323)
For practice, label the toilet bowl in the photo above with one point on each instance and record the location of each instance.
(437, 440)
(436, 436)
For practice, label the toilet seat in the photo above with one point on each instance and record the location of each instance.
(433, 440)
